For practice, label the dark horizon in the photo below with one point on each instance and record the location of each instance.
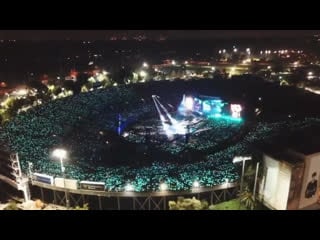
(152, 34)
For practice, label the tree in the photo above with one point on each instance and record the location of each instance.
(82, 79)
(297, 77)
(254, 68)
(12, 205)
(41, 88)
(277, 64)
(84, 207)
(247, 199)
(188, 204)
(122, 74)
(76, 86)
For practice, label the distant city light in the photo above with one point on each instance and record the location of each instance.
(143, 73)
(310, 73)
(21, 92)
(145, 65)
(173, 62)
(213, 68)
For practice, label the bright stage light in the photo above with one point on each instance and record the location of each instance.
(189, 103)
(236, 110)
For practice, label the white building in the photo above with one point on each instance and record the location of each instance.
(291, 172)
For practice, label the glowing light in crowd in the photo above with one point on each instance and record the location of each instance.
(196, 184)
(206, 107)
(236, 110)
(163, 187)
(173, 62)
(129, 188)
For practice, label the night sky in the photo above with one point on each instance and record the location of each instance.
(171, 34)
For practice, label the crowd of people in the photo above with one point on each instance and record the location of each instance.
(82, 124)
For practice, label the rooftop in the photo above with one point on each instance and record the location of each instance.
(293, 146)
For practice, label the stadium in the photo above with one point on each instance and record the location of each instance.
(144, 138)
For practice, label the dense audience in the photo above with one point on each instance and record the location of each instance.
(79, 123)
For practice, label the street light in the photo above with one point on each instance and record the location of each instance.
(62, 154)
(243, 160)
(255, 181)
(163, 186)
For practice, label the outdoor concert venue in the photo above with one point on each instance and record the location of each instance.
(142, 138)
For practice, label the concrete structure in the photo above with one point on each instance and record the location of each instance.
(291, 171)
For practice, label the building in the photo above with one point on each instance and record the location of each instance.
(291, 171)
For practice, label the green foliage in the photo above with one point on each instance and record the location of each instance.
(11, 206)
(188, 204)
(247, 199)
(84, 207)
(233, 204)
